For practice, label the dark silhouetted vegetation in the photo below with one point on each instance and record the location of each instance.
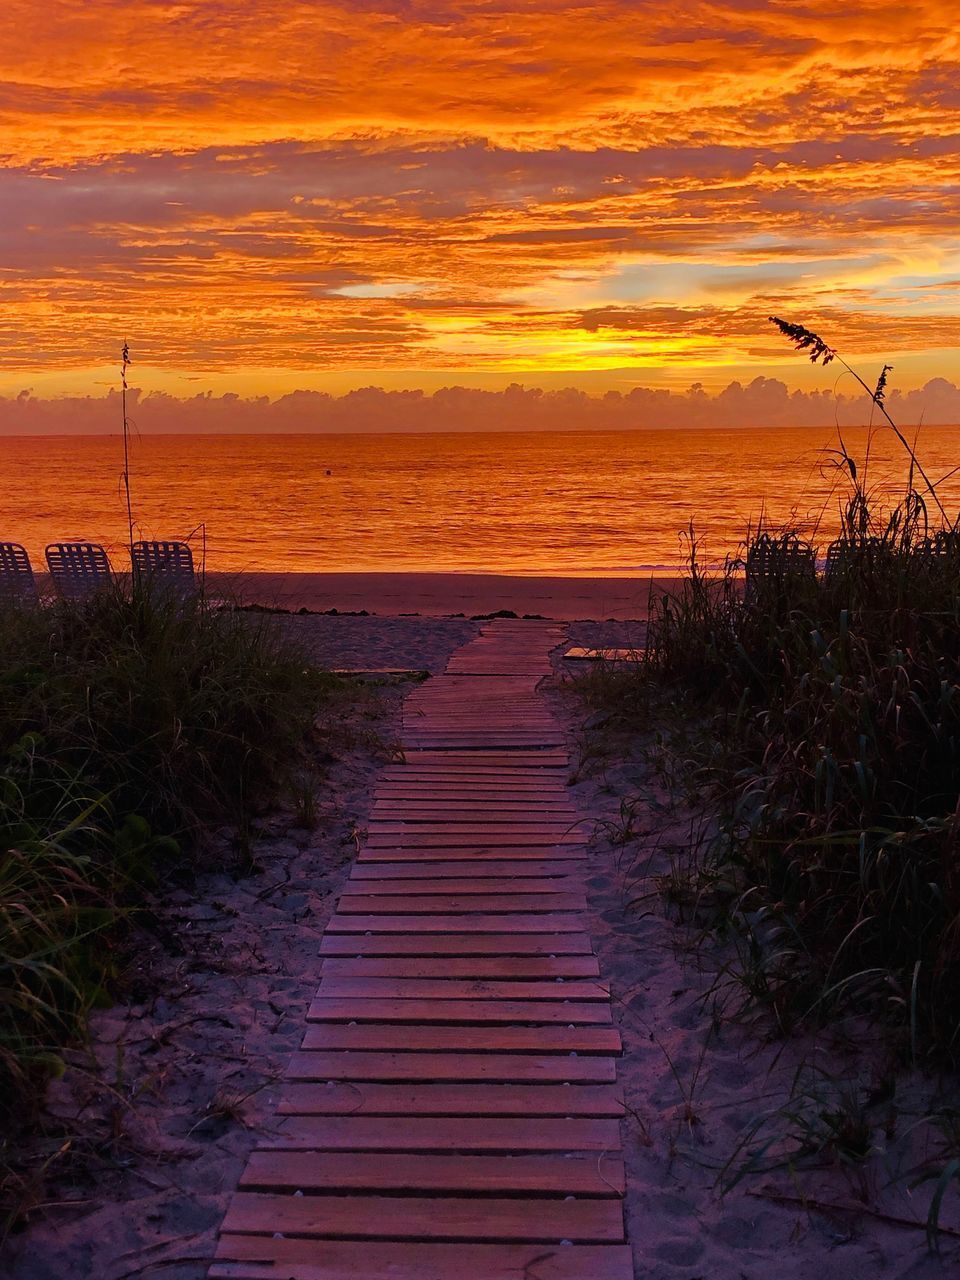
(129, 723)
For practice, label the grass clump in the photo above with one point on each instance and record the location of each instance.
(829, 704)
(831, 714)
(129, 723)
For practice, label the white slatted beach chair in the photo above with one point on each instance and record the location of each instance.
(847, 557)
(77, 569)
(16, 574)
(169, 564)
(776, 564)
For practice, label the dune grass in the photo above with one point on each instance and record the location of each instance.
(828, 713)
(810, 725)
(128, 724)
(828, 708)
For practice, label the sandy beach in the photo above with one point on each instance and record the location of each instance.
(446, 594)
(178, 1082)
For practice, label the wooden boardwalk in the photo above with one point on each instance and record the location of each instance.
(453, 1112)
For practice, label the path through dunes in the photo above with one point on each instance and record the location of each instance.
(453, 1112)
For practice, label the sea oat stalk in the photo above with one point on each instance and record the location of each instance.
(806, 340)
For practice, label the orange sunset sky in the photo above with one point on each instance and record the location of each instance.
(270, 196)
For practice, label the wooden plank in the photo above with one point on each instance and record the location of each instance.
(538, 762)
(368, 988)
(454, 734)
(442, 904)
(514, 853)
(464, 967)
(451, 838)
(439, 782)
(465, 773)
(509, 737)
(442, 1133)
(531, 810)
(451, 737)
(500, 869)
(553, 781)
(439, 814)
(458, 944)
(390, 1037)
(553, 831)
(426, 1217)
(508, 1068)
(258, 1256)
(559, 887)
(541, 763)
(516, 728)
(441, 785)
(542, 796)
(366, 1171)
(362, 1098)
(529, 759)
(449, 794)
(350, 1010)
(420, 924)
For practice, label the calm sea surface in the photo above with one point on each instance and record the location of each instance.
(605, 503)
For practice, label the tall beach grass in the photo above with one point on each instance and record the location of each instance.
(826, 714)
(129, 723)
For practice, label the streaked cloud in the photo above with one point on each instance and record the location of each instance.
(475, 186)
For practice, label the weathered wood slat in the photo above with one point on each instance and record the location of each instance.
(474, 851)
(442, 1133)
(547, 922)
(412, 837)
(536, 809)
(426, 1218)
(257, 1256)
(528, 787)
(456, 944)
(365, 1171)
(451, 1067)
(440, 814)
(463, 1038)
(488, 869)
(573, 1012)
(555, 831)
(362, 1098)
(546, 780)
(445, 904)
(482, 885)
(510, 967)
(368, 988)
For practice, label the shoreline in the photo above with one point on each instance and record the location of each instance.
(448, 594)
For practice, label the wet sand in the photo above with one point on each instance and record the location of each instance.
(446, 594)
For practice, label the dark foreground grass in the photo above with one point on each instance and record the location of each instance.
(128, 723)
(829, 735)
(811, 726)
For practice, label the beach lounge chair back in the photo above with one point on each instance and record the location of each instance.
(848, 556)
(16, 574)
(166, 563)
(944, 545)
(77, 568)
(775, 563)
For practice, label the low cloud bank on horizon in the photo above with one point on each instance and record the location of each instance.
(764, 402)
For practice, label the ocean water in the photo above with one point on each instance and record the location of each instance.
(611, 503)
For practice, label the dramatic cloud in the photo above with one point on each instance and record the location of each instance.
(476, 186)
(764, 402)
